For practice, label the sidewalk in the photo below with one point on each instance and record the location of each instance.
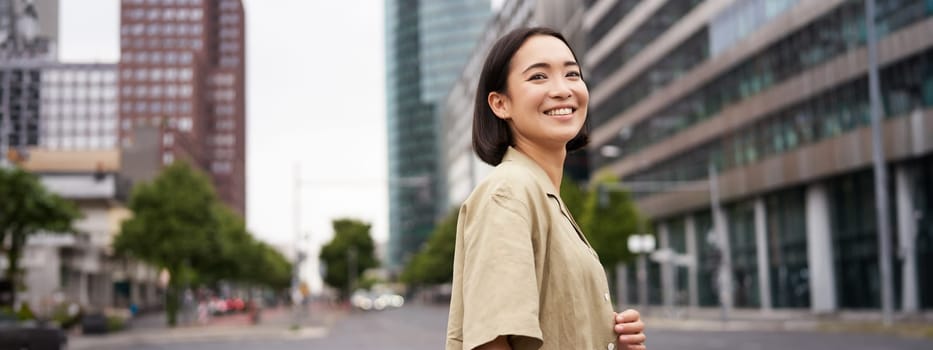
(277, 323)
(711, 319)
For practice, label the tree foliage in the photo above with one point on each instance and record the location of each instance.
(573, 195)
(352, 244)
(26, 208)
(178, 224)
(433, 264)
(608, 222)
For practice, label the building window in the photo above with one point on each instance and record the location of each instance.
(168, 139)
(787, 247)
(168, 158)
(155, 91)
(221, 167)
(855, 242)
(185, 124)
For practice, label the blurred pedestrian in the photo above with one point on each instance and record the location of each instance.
(525, 276)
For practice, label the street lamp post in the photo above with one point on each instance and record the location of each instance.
(711, 184)
(642, 245)
(881, 176)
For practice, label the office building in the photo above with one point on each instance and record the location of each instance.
(427, 44)
(182, 71)
(771, 98)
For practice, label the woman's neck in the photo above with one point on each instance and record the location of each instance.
(551, 160)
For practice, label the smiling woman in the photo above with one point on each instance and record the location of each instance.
(525, 277)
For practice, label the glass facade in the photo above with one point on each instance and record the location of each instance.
(19, 105)
(609, 20)
(427, 44)
(837, 109)
(855, 241)
(692, 52)
(923, 207)
(787, 249)
(836, 33)
(906, 85)
(744, 252)
(651, 29)
(708, 257)
(677, 236)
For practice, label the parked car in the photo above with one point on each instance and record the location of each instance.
(30, 335)
(375, 301)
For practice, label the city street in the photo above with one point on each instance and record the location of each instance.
(420, 327)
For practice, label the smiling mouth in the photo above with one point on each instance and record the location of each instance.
(556, 112)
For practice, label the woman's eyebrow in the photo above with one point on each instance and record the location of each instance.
(546, 65)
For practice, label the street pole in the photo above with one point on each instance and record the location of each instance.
(643, 281)
(4, 126)
(296, 269)
(881, 176)
(351, 269)
(725, 261)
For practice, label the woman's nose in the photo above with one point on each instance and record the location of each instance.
(560, 90)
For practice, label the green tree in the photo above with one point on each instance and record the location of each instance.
(434, 263)
(27, 207)
(573, 195)
(175, 226)
(608, 221)
(352, 244)
(240, 257)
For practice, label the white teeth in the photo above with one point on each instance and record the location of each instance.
(559, 111)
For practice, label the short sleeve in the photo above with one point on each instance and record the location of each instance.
(500, 289)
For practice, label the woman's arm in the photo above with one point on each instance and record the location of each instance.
(500, 343)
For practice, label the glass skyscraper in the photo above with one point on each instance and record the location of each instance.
(427, 44)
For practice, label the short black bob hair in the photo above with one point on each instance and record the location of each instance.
(491, 135)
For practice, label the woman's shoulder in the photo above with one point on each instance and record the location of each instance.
(508, 180)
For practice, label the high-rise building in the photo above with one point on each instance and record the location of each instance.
(182, 70)
(462, 169)
(770, 98)
(427, 44)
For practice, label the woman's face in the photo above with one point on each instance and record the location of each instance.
(546, 99)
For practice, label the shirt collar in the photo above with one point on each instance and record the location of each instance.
(514, 155)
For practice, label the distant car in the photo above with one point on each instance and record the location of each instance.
(235, 304)
(31, 336)
(94, 323)
(367, 301)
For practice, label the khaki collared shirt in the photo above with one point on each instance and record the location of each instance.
(523, 268)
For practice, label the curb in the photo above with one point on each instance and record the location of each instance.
(226, 334)
(905, 330)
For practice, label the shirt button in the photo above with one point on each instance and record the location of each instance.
(611, 346)
(606, 296)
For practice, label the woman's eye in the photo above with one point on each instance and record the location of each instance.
(574, 74)
(537, 76)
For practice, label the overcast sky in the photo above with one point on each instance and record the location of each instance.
(315, 97)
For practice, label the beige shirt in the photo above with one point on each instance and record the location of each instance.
(522, 267)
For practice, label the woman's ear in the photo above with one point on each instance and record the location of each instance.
(499, 103)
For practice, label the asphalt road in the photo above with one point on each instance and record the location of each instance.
(423, 327)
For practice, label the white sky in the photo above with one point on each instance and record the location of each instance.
(315, 97)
